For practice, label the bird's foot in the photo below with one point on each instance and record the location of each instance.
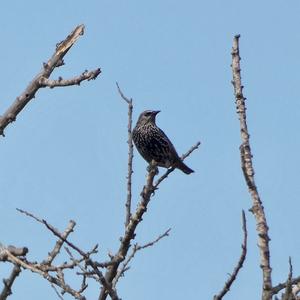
(151, 167)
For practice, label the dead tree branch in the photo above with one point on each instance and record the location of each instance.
(288, 295)
(35, 268)
(60, 82)
(277, 288)
(147, 191)
(42, 78)
(59, 243)
(9, 282)
(85, 255)
(248, 171)
(130, 155)
(291, 286)
(129, 234)
(240, 263)
(136, 248)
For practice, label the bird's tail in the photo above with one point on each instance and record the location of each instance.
(184, 168)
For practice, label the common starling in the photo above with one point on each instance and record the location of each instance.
(153, 144)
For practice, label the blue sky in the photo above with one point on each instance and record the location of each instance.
(66, 155)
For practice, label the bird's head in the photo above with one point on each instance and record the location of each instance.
(147, 116)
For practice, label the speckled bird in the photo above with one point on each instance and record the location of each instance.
(153, 144)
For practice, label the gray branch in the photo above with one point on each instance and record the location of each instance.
(60, 82)
(239, 265)
(130, 156)
(85, 255)
(147, 191)
(42, 78)
(136, 248)
(9, 282)
(248, 171)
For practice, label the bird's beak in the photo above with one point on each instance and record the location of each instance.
(155, 112)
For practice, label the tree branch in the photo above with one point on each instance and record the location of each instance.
(130, 155)
(9, 282)
(148, 190)
(239, 265)
(60, 82)
(13, 250)
(136, 248)
(129, 235)
(288, 295)
(59, 243)
(53, 280)
(248, 170)
(42, 78)
(291, 286)
(86, 255)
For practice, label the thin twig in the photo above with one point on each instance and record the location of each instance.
(239, 265)
(130, 155)
(248, 170)
(135, 249)
(106, 284)
(78, 262)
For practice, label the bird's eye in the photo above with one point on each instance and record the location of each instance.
(147, 114)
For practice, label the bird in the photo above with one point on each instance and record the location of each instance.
(153, 144)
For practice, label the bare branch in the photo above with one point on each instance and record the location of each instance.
(41, 79)
(83, 269)
(59, 243)
(57, 292)
(136, 248)
(248, 170)
(130, 156)
(106, 284)
(54, 231)
(288, 295)
(60, 82)
(13, 250)
(54, 280)
(239, 265)
(9, 282)
(148, 190)
(291, 286)
(152, 243)
(129, 235)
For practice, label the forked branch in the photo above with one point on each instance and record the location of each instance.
(147, 191)
(42, 78)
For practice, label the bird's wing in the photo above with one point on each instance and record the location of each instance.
(165, 141)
